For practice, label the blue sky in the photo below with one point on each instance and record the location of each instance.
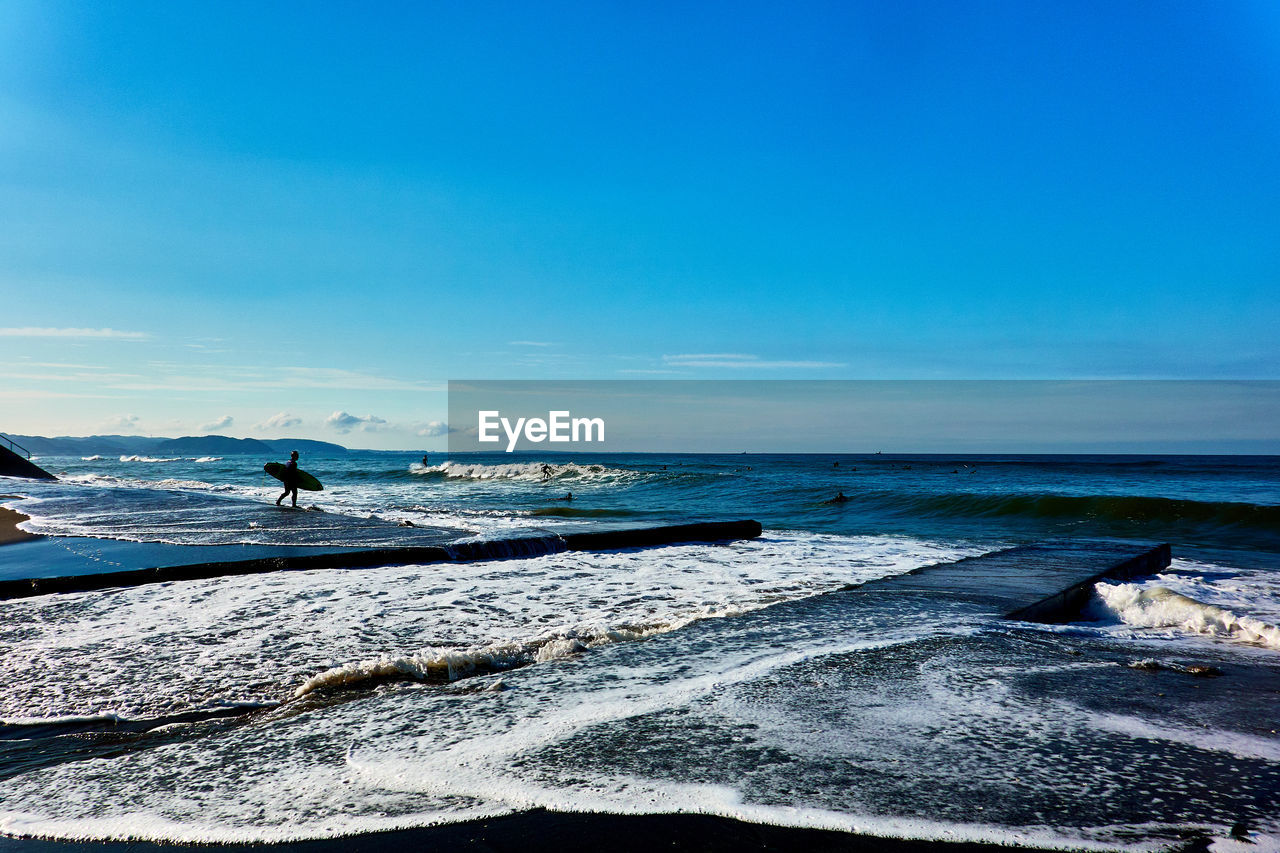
(305, 218)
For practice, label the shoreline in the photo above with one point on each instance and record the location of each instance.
(542, 831)
(9, 530)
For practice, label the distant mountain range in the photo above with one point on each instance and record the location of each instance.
(191, 445)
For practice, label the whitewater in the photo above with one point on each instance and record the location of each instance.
(735, 679)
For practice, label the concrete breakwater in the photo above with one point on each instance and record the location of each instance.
(1041, 582)
(498, 549)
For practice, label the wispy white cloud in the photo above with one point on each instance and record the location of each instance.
(42, 332)
(59, 365)
(42, 394)
(344, 422)
(531, 343)
(167, 376)
(331, 377)
(95, 376)
(702, 356)
(431, 429)
(742, 361)
(121, 423)
(219, 424)
(280, 420)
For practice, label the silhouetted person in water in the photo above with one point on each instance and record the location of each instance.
(290, 479)
(424, 460)
(567, 497)
(546, 472)
(839, 499)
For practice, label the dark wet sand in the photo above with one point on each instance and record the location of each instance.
(9, 531)
(553, 832)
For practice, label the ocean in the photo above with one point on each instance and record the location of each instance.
(738, 679)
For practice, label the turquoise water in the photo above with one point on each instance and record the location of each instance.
(734, 679)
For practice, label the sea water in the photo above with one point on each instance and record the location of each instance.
(733, 679)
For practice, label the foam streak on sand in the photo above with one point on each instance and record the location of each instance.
(1232, 743)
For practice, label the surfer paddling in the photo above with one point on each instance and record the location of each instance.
(290, 479)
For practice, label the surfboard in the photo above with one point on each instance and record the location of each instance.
(305, 481)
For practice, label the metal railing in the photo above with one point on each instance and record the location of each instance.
(14, 446)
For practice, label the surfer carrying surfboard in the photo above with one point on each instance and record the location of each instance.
(293, 477)
(290, 479)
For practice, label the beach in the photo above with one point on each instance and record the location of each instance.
(9, 521)
(801, 689)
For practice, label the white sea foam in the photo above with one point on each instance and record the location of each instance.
(485, 759)
(1232, 743)
(396, 501)
(109, 481)
(559, 737)
(202, 513)
(530, 471)
(415, 755)
(166, 648)
(452, 665)
(140, 825)
(474, 525)
(88, 513)
(257, 638)
(94, 458)
(1155, 606)
(446, 666)
(70, 719)
(136, 458)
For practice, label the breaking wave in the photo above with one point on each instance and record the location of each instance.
(528, 471)
(1161, 607)
(447, 666)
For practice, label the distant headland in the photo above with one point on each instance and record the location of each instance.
(191, 445)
